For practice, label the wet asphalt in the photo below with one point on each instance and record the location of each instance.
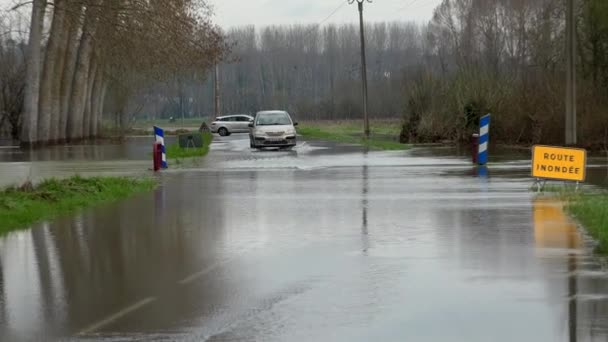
(323, 243)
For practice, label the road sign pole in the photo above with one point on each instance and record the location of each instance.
(484, 139)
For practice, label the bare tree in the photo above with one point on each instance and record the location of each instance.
(29, 129)
(46, 110)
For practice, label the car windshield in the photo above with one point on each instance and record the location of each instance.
(273, 119)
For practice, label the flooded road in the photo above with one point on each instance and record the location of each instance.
(131, 157)
(323, 243)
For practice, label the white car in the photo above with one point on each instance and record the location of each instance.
(272, 129)
(226, 125)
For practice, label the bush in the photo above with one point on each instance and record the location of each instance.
(525, 110)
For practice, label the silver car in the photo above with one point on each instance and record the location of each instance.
(272, 129)
(226, 125)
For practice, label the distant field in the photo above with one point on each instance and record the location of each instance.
(383, 127)
(384, 134)
(164, 123)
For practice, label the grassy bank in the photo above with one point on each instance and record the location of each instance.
(591, 210)
(384, 134)
(176, 152)
(28, 204)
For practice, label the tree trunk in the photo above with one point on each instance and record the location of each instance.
(45, 112)
(60, 65)
(67, 78)
(96, 101)
(79, 85)
(100, 108)
(86, 124)
(29, 130)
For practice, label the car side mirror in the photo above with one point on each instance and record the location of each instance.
(295, 124)
(251, 124)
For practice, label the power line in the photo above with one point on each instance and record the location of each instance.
(343, 3)
(319, 24)
(315, 26)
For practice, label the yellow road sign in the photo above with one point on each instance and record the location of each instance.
(559, 163)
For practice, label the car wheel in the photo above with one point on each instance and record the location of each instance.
(251, 145)
(223, 132)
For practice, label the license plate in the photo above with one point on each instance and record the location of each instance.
(274, 139)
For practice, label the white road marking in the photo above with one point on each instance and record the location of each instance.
(116, 316)
(201, 273)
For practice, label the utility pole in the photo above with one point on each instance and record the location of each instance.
(216, 87)
(571, 138)
(363, 66)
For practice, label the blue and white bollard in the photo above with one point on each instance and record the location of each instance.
(484, 139)
(159, 133)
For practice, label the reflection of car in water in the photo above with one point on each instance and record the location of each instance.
(272, 129)
(226, 125)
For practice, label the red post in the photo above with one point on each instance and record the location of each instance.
(475, 147)
(157, 156)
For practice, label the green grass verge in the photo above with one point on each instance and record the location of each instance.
(28, 204)
(175, 152)
(591, 210)
(351, 134)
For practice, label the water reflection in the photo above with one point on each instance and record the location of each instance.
(554, 230)
(457, 257)
(131, 157)
(134, 148)
(585, 282)
(58, 278)
(364, 206)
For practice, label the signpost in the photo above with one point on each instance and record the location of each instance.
(559, 163)
(159, 135)
(484, 139)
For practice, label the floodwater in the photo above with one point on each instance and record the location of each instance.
(132, 157)
(323, 243)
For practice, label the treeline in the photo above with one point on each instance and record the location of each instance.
(128, 58)
(314, 72)
(98, 54)
(507, 57)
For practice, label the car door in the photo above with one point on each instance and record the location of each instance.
(243, 123)
(230, 123)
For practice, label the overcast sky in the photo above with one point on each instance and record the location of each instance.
(230, 13)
